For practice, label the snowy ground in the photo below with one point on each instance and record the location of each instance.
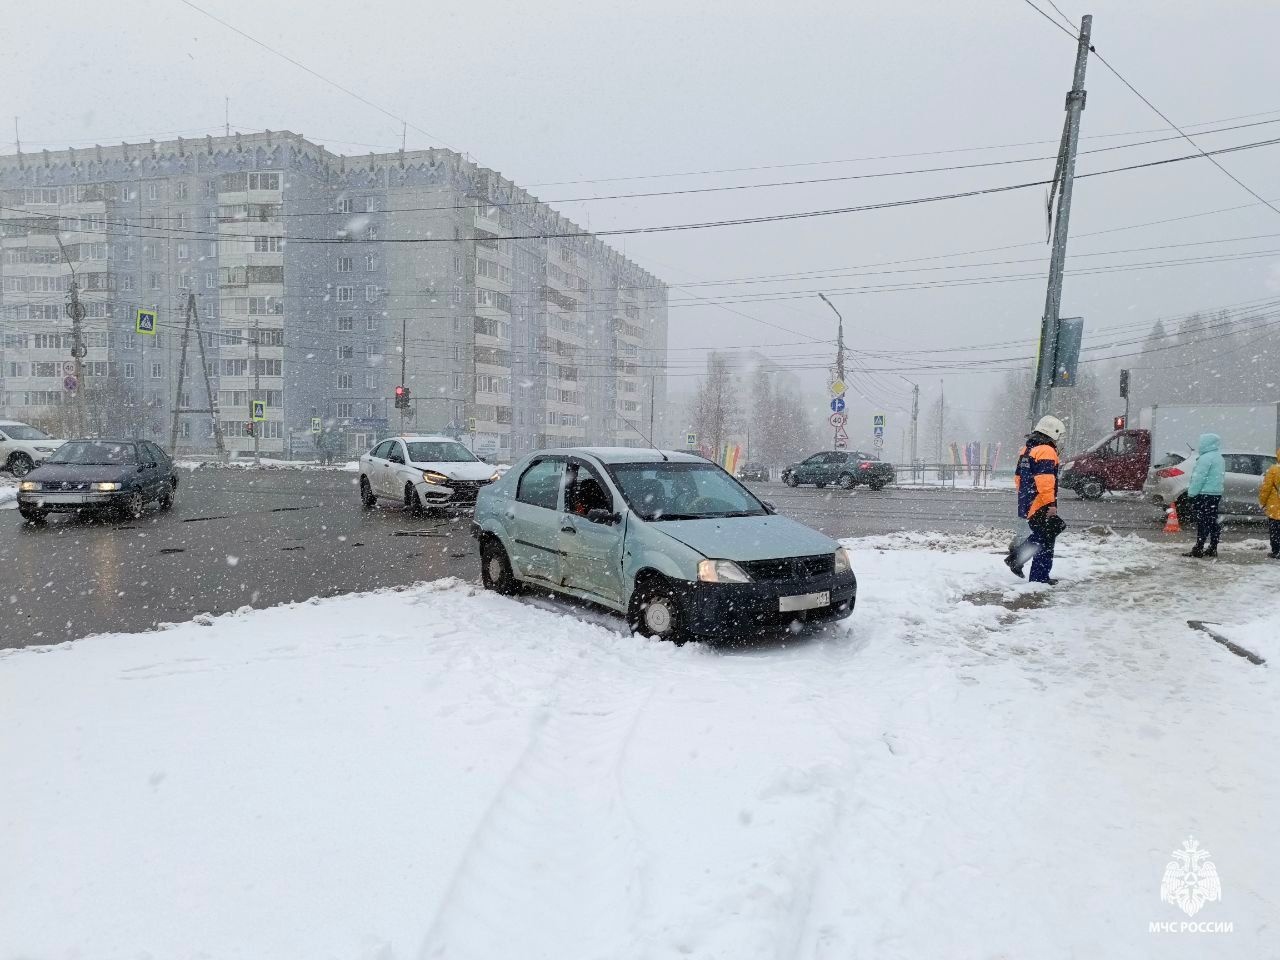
(969, 767)
(8, 493)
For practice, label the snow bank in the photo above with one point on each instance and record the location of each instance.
(266, 463)
(970, 767)
(8, 494)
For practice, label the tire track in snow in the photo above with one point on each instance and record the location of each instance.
(556, 866)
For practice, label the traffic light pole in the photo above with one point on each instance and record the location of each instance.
(1047, 365)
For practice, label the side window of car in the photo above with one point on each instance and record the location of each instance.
(396, 452)
(155, 454)
(816, 459)
(540, 484)
(585, 492)
(1237, 463)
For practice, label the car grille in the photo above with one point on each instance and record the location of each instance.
(69, 485)
(791, 568)
(465, 491)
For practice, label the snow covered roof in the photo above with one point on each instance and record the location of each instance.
(630, 454)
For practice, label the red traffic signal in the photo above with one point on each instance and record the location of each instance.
(1118, 423)
(399, 391)
(402, 397)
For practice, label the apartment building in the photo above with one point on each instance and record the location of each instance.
(321, 282)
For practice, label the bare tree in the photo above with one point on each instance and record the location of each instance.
(712, 405)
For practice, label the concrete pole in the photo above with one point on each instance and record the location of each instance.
(1047, 365)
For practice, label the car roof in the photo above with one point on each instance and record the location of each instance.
(431, 437)
(613, 455)
(13, 423)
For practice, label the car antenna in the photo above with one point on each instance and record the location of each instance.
(664, 457)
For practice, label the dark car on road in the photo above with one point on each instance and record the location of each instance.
(119, 477)
(840, 468)
(756, 472)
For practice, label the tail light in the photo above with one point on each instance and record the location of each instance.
(1168, 472)
(865, 465)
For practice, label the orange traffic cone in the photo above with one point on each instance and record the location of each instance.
(1171, 524)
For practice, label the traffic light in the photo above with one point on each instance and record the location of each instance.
(1118, 423)
(402, 398)
(1124, 383)
(248, 429)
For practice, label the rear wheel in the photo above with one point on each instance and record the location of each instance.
(790, 480)
(655, 612)
(846, 481)
(877, 484)
(20, 464)
(367, 499)
(33, 514)
(495, 568)
(821, 484)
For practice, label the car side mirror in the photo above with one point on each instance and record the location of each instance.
(768, 506)
(601, 515)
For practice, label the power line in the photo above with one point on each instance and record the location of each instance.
(319, 76)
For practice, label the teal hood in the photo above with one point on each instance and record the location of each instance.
(1209, 442)
(747, 538)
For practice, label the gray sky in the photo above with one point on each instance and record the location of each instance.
(559, 91)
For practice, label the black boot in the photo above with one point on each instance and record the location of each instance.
(1197, 551)
(1211, 553)
(1011, 561)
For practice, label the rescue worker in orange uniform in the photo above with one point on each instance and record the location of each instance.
(1036, 481)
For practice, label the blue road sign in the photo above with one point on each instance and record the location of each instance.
(837, 405)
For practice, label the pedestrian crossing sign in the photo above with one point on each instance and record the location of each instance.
(315, 424)
(145, 322)
(259, 410)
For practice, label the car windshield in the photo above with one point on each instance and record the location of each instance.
(24, 433)
(683, 491)
(439, 451)
(84, 452)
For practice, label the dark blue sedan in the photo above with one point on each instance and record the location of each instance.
(111, 476)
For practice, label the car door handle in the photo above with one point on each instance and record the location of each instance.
(566, 526)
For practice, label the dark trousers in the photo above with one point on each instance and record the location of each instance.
(1207, 525)
(1273, 528)
(1044, 534)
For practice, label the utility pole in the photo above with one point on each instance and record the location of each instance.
(193, 320)
(257, 384)
(915, 420)
(653, 391)
(404, 356)
(75, 310)
(1064, 178)
(226, 115)
(942, 415)
(839, 357)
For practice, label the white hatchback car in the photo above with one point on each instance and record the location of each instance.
(24, 447)
(1240, 484)
(423, 472)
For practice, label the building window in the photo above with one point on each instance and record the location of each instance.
(370, 380)
(373, 204)
(343, 265)
(371, 324)
(345, 324)
(457, 382)
(130, 371)
(370, 263)
(346, 294)
(370, 292)
(128, 282)
(268, 244)
(264, 181)
(184, 250)
(187, 282)
(157, 371)
(153, 191)
(344, 410)
(345, 205)
(346, 352)
(371, 232)
(154, 280)
(211, 281)
(344, 381)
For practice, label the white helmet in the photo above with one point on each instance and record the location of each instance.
(1051, 427)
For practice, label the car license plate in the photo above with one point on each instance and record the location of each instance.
(804, 601)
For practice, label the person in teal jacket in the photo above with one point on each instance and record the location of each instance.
(1208, 483)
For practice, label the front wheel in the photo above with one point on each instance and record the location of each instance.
(367, 499)
(495, 568)
(20, 464)
(412, 502)
(1090, 488)
(655, 612)
(133, 506)
(877, 484)
(821, 484)
(846, 481)
(790, 480)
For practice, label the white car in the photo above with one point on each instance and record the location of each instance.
(423, 472)
(24, 447)
(1240, 484)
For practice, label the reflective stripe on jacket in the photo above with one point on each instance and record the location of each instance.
(1036, 477)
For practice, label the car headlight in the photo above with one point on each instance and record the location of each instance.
(842, 560)
(431, 476)
(29, 485)
(495, 476)
(105, 487)
(721, 571)
(44, 449)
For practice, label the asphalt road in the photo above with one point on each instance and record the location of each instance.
(258, 538)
